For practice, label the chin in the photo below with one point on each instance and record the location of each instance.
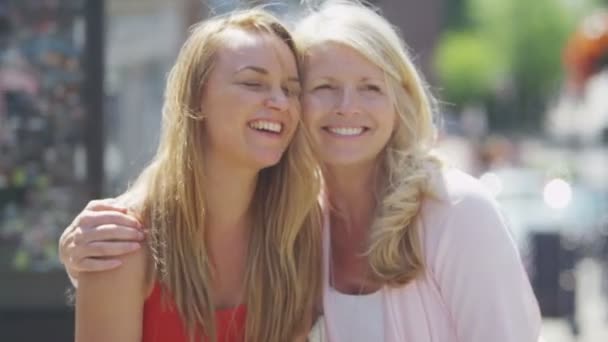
(261, 157)
(263, 162)
(346, 159)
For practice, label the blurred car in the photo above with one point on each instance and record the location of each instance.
(554, 222)
(534, 203)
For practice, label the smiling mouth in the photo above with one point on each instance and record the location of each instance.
(266, 126)
(346, 131)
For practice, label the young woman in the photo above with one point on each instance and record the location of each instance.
(413, 250)
(234, 251)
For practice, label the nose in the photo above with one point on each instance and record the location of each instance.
(278, 100)
(347, 103)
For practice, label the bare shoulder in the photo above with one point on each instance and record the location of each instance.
(133, 273)
(109, 304)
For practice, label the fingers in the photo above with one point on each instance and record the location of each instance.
(108, 233)
(113, 232)
(103, 241)
(89, 216)
(104, 249)
(105, 204)
(99, 234)
(96, 265)
(88, 219)
(99, 256)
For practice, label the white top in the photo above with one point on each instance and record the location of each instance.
(358, 318)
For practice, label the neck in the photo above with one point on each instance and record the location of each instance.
(229, 191)
(351, 191)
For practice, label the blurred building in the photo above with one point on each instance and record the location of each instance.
(143, 38)
(43, 146)
(76, 86)
(420, 23)
(579, 118)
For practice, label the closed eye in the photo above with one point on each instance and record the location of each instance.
(252, 84)
(323, 86)
(372, 87)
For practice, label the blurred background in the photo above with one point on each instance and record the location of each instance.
(523, 90)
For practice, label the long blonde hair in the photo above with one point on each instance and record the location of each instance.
(283, 278)
(394, 250)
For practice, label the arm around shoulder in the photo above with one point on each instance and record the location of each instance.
(109, 304)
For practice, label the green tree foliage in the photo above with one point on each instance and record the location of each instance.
(507, 55)
(467, 66)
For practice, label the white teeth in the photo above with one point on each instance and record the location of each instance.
(262, 125)
(346, 130)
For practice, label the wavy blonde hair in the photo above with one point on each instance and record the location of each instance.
(283, 277)
(395, 253)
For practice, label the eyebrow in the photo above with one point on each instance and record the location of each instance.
(363, 79)
(263, 71)
(253, 68)
(373, 79)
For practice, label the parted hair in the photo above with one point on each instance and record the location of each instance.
(283, 277)
(394, 249)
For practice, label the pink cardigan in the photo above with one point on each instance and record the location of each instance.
(474, 288)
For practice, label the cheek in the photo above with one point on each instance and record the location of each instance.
(386, 113)
(224, 121)
(295, 109)
(215, 129)
(314, 106)
(309, 109)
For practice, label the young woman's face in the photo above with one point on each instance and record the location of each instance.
(345, 105)
(250, 100)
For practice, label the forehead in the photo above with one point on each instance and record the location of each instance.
(335, 59)
(242, 47)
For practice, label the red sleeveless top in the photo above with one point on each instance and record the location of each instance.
(162, 322)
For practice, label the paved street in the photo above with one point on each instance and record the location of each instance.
(592, 311)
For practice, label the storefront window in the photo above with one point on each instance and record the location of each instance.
(42, 151)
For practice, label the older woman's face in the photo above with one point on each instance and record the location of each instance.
(250, 100)
(345, 105)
